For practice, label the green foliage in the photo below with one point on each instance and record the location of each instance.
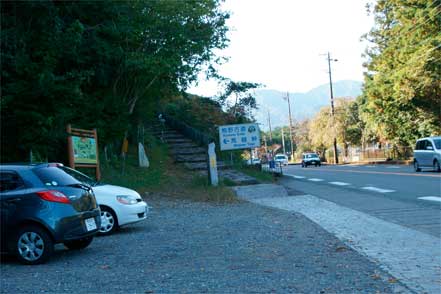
(244, 100)
(401, 97)
(96, 64)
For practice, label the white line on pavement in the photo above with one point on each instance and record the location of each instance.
(392, 167)
(295, 177)
(379, 190)
(431, 198)
(339, 183)
(315, 180)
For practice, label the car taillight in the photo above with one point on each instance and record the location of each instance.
(53, 196)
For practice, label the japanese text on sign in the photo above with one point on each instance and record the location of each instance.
(243, 136)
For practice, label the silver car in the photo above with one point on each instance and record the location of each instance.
(427, 153)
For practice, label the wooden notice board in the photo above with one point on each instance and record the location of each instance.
(82, 146)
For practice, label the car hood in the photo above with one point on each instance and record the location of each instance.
(114, 190)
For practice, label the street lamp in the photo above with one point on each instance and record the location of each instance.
(332, 107)
(290, 126)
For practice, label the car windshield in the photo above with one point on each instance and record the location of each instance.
(437, 143)
(280, 156)
(79, 176)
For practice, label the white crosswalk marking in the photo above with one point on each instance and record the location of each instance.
(339, 183)
(379, 190)
(315, 180)
(431, 198)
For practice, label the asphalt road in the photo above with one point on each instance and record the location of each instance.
(398, 182)
(391, 192)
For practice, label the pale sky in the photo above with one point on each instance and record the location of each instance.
(278, 43)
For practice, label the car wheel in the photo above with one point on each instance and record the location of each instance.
(33, 245)
(436, 166)
(109, 222)
(416, 166)
(78, 244)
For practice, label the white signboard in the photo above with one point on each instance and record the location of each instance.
(243, 136)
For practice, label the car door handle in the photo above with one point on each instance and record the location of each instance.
(13, 200)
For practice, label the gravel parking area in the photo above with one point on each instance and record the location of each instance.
(191, 247)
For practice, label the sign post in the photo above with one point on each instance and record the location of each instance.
(212, 164)
(82, 146)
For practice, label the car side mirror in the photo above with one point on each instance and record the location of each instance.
(429, 148)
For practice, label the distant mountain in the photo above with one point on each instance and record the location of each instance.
(303, 105)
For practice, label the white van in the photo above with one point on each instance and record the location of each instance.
(427, 153)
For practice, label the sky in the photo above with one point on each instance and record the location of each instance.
(279, 43)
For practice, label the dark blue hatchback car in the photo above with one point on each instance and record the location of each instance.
(41, 205)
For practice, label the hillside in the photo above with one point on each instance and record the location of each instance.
(303, 105)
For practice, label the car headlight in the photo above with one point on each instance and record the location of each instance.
(127, 199)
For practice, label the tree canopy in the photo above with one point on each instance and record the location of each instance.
(401, 99)
(97, 64)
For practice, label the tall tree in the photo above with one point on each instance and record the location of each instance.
(96, 64)
(401, 98)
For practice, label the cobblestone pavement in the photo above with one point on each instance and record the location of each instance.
(191, 247)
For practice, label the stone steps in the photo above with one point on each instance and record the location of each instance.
(191, 158)
(203, 165)
(188, 151)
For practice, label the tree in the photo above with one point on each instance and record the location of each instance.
(96, 64)
(401, 96)
(244, 100)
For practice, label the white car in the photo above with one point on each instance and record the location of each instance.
(281, 158)
(119, 206)
(427, 153)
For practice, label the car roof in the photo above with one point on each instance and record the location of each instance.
(428, 138)
(25, 166)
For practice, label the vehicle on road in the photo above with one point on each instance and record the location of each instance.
(119, 206)
(310, 159)
(281, 159)
(427, 154)
(41, 206)
(254, 161)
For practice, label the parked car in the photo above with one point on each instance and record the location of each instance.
(254, 161)
(310, 159)
(41, 205)
(119, 206)
(281, 159)
(427, 154)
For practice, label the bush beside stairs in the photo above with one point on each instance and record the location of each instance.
(194, 157)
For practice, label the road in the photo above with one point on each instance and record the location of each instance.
(388, 213)
(394, 193)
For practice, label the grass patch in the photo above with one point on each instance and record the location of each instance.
(163, 176)
(254, 171)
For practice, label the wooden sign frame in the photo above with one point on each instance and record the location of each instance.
(70, 148)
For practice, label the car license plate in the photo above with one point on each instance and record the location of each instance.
(90, 224)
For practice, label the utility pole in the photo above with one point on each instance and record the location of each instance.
(283, 141)
(270, 131)
(332, 107)
(290, 126)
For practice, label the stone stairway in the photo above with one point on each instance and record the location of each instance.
(195, 158)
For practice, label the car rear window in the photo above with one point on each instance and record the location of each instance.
(280, 156)
(53, 176)
(312, 156)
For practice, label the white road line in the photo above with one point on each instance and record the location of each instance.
(339, 183)
(369, 166)
(315, 180)
(431, 198)
(294, 176)
(392, 167)
(379, 190)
